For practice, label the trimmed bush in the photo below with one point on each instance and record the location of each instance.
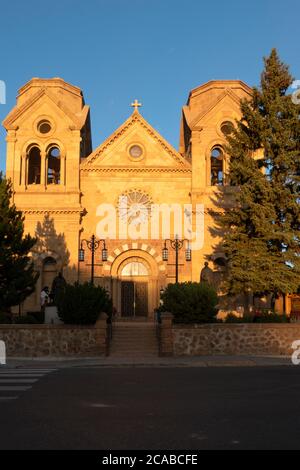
(81, 304)
(25, 320)
(5, 318)
(190, 302)
(39, 316)
(261, 318)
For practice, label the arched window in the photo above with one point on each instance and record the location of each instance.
(34, 166)
(217, 166)
(135, 268)
(53, 165)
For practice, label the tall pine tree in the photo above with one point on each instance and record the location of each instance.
(262, 230)
(17, 276)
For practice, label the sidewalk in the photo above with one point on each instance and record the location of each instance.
(182, 361)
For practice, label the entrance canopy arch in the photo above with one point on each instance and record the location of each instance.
(134, 256)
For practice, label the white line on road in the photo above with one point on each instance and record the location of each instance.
(7, 369)
(13, 388)
(8, 398)
(15, 374)
(17, 381)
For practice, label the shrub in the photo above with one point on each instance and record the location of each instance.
(231, 318)
(258, 318)
(39, 316)
(270, 318)
(25, 319)
(190, 302)
(81, 304)
(5, 318)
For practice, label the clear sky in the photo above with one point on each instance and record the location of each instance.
(152, 50)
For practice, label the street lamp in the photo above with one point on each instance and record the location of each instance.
(92, 244)
(176, 245)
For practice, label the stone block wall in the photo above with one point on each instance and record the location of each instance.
(235, 339)
(53, 340)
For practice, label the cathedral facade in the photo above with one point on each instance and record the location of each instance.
(135, 193)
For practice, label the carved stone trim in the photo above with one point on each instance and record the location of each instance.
(100, 169)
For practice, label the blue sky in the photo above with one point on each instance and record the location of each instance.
(153, 50)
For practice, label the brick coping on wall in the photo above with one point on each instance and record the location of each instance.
(233, 325)
(37, 326)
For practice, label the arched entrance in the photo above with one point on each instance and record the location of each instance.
(136, 281)
(134, 275)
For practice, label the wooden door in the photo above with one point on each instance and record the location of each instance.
(127, 298)
(141, 299)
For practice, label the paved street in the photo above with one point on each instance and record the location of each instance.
(151, 408)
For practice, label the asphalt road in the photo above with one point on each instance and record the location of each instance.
(152, 408)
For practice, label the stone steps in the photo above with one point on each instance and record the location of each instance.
(134, 339)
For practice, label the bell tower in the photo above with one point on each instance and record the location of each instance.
(48, 135)
(208, 117)
(48, 132)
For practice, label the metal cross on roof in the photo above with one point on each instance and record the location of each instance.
(136, 105)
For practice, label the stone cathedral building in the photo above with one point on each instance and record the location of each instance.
(66, 189)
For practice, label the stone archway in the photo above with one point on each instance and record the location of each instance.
(136, 279)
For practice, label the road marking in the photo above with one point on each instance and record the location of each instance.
(17, 381)
(13, 377)
(14, 374)
(29, 370)
(8, 398)
(13, 388)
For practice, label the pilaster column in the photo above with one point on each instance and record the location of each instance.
(11, 157)
(43, 168)
(166, 335)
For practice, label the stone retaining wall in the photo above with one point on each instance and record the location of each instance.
(54, 340)
(231, 339)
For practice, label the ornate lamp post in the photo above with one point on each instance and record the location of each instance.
(176, 245)
(92, 244)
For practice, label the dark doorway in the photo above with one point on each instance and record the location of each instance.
(134, 299)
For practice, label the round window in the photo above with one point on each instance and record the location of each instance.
(136, 151)
(227, 127)
(44, 127)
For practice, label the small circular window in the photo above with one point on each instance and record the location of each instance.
(136, 151)
(44, 127)
(227, 128)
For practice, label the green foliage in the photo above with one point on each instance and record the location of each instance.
(190, 302)
(5, 318)
(26, 319)
(17, 276)
(262, 230)
(81, 304)
(258, 318)
(39, 316)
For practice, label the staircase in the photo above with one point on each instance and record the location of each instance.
(132, 339)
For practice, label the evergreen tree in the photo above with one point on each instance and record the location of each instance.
(17, 276)
(262, 230)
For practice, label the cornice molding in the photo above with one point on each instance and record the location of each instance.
(101, 169)
(51, 211)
